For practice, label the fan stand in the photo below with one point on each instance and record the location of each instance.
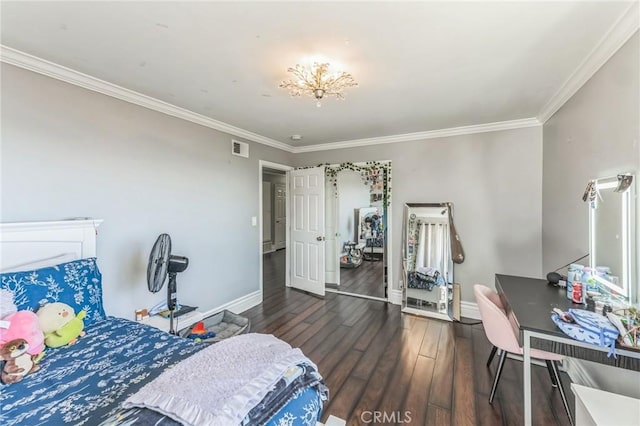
(172, 297)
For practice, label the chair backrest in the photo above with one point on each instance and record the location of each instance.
(497, 326)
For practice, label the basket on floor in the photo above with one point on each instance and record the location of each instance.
(224, 324)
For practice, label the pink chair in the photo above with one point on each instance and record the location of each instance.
(502, 331)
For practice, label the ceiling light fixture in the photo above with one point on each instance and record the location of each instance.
(318, 82)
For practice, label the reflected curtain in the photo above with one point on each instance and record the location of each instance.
(434, 247)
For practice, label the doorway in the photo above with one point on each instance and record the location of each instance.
(273, 214)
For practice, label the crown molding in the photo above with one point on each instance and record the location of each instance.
(50, 69)
(429, 134)
(621, 31)
(59, 72)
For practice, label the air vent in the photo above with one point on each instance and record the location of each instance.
(241, 149)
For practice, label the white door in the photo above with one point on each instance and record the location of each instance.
(280, 215)
(307, 230)
(332, 251)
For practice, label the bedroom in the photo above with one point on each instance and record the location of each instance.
(80, 150)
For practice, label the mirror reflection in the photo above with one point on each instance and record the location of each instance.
(427, 261)
(611, 233)
(355, 224)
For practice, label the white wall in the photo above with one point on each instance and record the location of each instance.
(595, 134)
(69, 152)
(495, 182)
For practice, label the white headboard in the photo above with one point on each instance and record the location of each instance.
(26, 242)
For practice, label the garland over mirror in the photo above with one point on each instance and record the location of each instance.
(375, 174)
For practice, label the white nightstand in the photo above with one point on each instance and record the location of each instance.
(597, 407)
(179, 323)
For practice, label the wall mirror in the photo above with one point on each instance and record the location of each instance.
(357, 214)
(426, 260)
(612, 233)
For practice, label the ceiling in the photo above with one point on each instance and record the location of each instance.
(420, 66)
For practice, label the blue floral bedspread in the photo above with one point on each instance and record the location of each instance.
(84, 384)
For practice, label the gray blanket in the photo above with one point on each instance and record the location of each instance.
(220, 384)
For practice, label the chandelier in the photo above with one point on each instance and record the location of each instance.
(317, 81)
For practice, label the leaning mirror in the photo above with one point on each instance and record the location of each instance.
(427, 261)
(612, 233)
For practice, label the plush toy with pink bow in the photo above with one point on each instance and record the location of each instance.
(21, 340)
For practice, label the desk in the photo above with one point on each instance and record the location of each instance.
(531, 301)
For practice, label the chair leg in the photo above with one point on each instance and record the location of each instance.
(554, 365)
(503, 358)
(550, 369)
(491, 355)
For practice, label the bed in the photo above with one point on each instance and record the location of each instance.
(110, 375)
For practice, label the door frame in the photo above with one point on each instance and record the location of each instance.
(268, 164)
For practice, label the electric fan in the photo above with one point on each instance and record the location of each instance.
(161, 264)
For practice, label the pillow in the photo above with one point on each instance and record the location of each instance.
(41, 263)
(77, 283)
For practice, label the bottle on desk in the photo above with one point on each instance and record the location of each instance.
(574, 274)
(578, 293)
(588, 280)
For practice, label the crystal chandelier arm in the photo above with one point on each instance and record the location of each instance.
(340, 83)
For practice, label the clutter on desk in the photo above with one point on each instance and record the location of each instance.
(602, 329)
(627, 322)
(588, 327)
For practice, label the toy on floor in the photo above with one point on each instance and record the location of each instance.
(199, 333)
(351, 255)
(60, 324)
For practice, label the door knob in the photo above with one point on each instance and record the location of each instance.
(320, 238)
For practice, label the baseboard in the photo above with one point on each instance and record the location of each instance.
(578, 374)
(395, 296)
(469, 310)
(238, 305)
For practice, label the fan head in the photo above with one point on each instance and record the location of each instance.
(177, 264)
(158, 266)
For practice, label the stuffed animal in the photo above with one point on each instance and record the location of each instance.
(18, 362)
(60, 324)
(21, 340)
(23, 325)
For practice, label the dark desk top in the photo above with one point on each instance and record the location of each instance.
(531, 300)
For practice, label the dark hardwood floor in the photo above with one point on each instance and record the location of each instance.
(374, 358)
(366, 279)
